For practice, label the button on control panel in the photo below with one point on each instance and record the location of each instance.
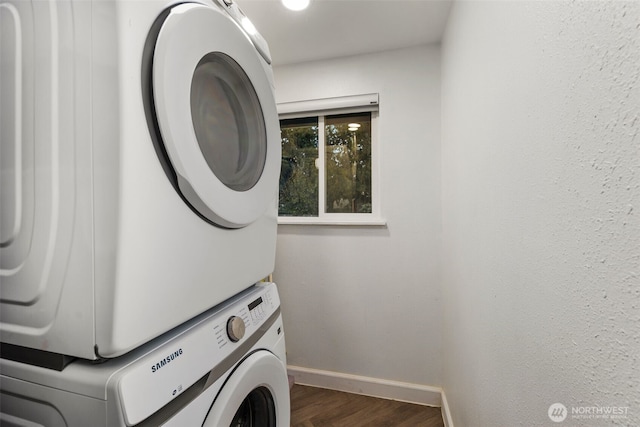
(260, 308)
(235, 328)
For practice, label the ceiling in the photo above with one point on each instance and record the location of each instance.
(336, 28)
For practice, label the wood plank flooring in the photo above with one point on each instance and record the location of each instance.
(317, 407)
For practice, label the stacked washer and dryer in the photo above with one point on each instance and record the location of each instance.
(140, 154)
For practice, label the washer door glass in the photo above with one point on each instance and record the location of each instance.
(256, 410)
(255, 394)
(216, 115)
(228, 122)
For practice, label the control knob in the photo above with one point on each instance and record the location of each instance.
(235, 328)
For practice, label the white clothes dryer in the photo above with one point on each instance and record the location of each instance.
(140, 153)
(224, 368)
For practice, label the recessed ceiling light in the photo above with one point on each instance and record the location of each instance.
(295, 4)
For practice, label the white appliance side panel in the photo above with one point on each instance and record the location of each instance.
(107, 180)
(39, 282)
(23, 402)
(12, 180)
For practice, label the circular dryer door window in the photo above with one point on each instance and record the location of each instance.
(227, 119)
(216, 115)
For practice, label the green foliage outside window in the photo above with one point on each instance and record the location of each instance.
(348, 163)
(299, 175)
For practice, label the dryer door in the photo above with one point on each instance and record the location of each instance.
(256, 394)
(216, 115)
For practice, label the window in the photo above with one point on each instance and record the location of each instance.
(329, 169)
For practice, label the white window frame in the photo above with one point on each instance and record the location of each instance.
(327, 107)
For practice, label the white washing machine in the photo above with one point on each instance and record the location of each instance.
(140, 154)
(224, 368)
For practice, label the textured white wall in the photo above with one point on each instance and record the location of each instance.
(366, 300)
(541, 200)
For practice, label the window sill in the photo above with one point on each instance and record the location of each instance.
(360, 222)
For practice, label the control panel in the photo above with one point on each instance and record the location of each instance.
(164, 372)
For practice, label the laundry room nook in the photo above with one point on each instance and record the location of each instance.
(504, 279)
(336, 213)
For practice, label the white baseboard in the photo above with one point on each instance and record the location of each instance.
(395, 390)
(446, 412)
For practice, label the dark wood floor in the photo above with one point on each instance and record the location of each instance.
(317, 407)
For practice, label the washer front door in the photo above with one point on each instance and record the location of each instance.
(216, 114)
(256, 394)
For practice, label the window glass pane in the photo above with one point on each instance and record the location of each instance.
(348, 163)
(228, 121)
(299, 174)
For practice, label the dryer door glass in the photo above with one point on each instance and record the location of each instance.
(228, 121)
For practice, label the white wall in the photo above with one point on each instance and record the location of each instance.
(541, 200)
(366, 300)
